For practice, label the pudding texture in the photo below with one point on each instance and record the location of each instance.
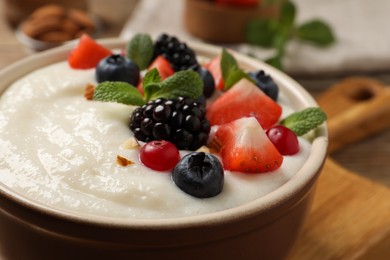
(60, 149)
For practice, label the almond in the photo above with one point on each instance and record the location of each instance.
(82, 19)
(34, 27)
(55, 36)
(49, 10)
(54, 23)
(70, 26)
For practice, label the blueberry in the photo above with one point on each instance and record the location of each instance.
(199, 174)
(207, 78)
(265, 83)
(117, 68)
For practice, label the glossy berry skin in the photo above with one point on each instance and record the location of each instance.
(87, 53)
(284, 139)
(117, 68)
(159, 155)
(199, 174)
(265, 83)
(176, 52)
(181, 121)
(207, 78)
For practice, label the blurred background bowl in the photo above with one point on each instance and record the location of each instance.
(222, 23)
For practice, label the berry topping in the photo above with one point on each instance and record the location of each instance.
(179, 54)
(207, 78)
(181, 121)
(245, 147)
(117, 68)
(242, 100)
(214, 66)
(283, 139)
(163, 67)
(199, 174)
(87, 53)
(265, 83)
(159, 155)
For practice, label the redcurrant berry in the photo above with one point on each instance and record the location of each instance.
(284, 139)
(159, 155)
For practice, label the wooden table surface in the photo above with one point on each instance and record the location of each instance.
(368, 158)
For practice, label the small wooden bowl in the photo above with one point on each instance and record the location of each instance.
(219, 23)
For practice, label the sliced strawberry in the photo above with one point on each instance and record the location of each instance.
(245, 147)
(163, 66)
(87, 53)
(140, 88)
(214, 66)
(164, 69)
(242, 100)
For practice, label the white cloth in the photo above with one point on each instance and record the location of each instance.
(361, 28)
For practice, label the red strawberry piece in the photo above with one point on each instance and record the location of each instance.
(87, 53)
(245, 147)
(214, 66)
(163, 66)
(242, 100)
(140, 88)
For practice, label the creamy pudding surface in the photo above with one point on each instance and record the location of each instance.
(59, 149)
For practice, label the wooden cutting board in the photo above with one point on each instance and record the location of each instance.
(350, 217)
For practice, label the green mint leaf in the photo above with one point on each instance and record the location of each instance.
(303, 121)
(152, 76)
(234, 76)
(231, 73)
(140, 50)
(317, 32)
(261, 32)
(228, 63)
(151, 83)
(120, 92)
(276, 62)
(287, 18)
(183, 83)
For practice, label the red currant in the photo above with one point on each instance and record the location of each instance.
(159, 155)
(284, 139)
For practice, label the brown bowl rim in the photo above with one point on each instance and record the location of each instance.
(279, 198)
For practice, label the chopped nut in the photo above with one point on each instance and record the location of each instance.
(122, 161)
(204, 149)
(89, 90)
(215, 146)
(130, 143)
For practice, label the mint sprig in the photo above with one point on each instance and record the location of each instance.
(183, 83)
(317, 32)
(120, 92)
(276, 32)
(302, 122)
(186, 83)
(140, 50)
(151, 83)
(231, 73)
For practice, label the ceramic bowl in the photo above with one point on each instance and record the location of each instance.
(265, 228)
(222, 23)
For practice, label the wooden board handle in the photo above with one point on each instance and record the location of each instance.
(357, 107)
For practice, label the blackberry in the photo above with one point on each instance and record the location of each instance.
(177, 53)
(181, 121)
